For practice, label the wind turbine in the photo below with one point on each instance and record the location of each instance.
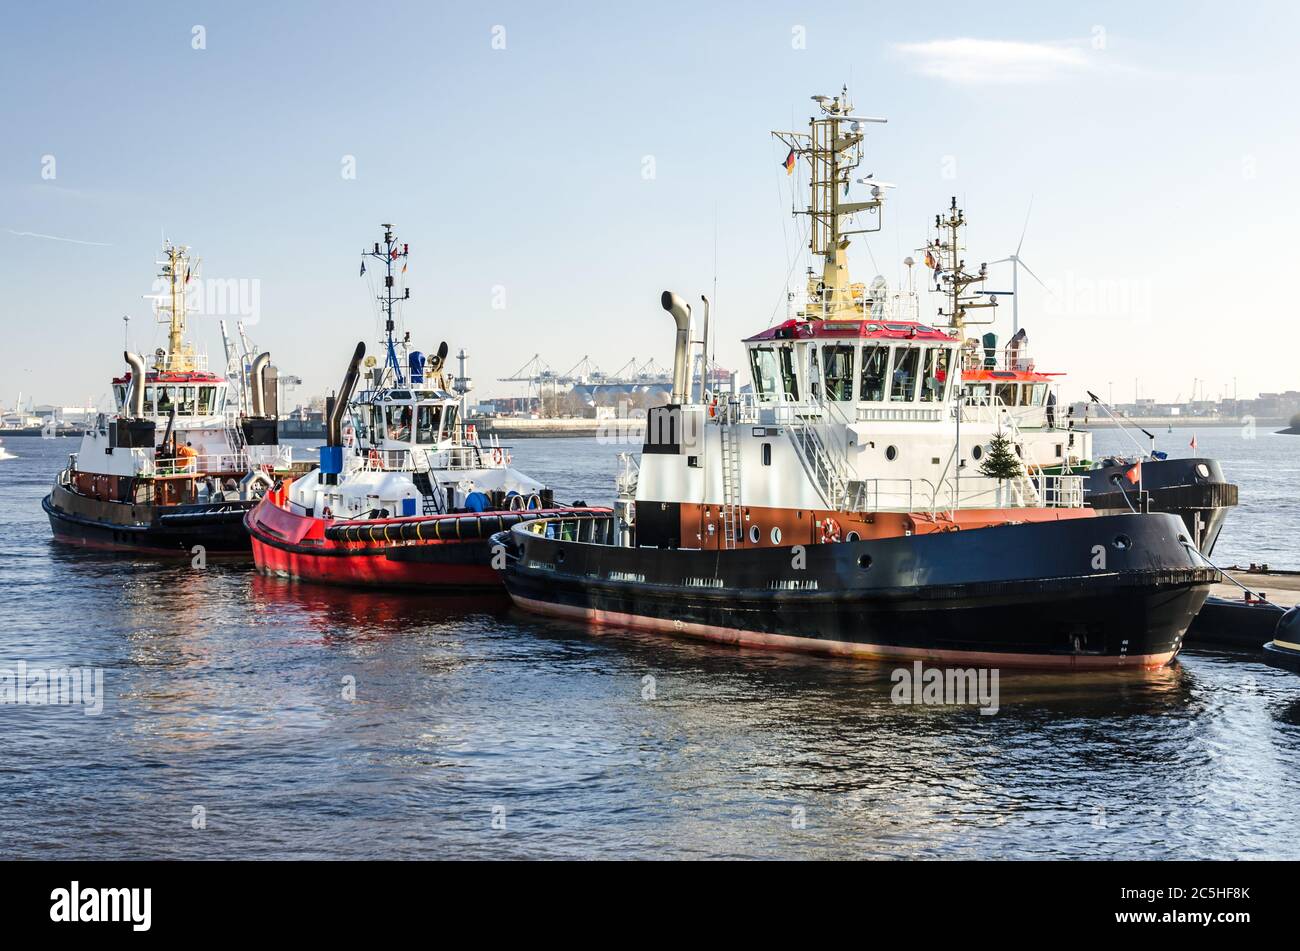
(1016, 265)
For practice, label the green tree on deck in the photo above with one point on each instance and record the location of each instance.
(1001, 461)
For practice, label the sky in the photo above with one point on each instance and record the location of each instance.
(554, 167)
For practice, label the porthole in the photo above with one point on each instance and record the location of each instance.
(1122, 542)
(851, 537)
(864, 562)
(754, 534)
(977, 453)
(1202, 470)
(891, 453)
(776, 535)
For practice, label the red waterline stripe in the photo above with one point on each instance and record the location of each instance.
(810, 645)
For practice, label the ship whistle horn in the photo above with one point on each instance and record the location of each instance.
(681, 312)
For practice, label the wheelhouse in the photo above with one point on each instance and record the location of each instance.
(406, 417)
(867, 364)
(190, 394)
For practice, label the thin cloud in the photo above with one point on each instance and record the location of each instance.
(51, 237)
(969, 61)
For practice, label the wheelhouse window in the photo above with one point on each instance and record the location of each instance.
(166, 400)
(1005, 394)
(119, 395)
(837, 367)
(398, 419)
(774, 375)
(185, 401)
(428, 420)
(935, 383)
(875, 373)
(978, 394)
(763, 363)
(450, 418)
(906, 362)
(207, 400)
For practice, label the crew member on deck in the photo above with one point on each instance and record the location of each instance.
(188, 457)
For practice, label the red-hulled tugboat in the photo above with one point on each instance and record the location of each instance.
(406, 494)
(855, 503)
(181, 462)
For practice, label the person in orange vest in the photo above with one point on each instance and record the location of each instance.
(187, 457)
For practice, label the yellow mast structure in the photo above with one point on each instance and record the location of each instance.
(176, 271)
(833, 148)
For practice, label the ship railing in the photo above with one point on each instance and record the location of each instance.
(597, 528)
(881, 495)
(424, 460)
(1002, 359)
(210, 464)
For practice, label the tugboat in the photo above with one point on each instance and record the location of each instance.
(179, 464)
(406, 494)
(855, 504)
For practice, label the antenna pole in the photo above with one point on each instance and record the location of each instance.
(389, 253)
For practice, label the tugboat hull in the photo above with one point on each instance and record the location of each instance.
(451, 552)
(172, 530)
(1016, 596)
(1195, 490)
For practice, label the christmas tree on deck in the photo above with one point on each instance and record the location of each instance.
(1001, 461)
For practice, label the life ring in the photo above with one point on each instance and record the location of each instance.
(376, 460)
(830, 530)
(326, 513)
(498, 457)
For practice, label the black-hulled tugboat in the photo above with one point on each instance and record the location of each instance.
(406, 494)
(855, 504)
(180, 463)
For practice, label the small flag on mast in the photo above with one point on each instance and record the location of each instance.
(789, 163)
(363, 269)
(1134, 475)
(1193, 440)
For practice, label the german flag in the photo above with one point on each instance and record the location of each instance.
(789, 163)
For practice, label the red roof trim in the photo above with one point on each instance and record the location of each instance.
(1006, 376)
(854, 328)
(196, 376)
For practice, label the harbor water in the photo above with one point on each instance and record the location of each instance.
(250, 717)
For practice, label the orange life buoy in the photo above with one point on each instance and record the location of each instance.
(830, 530)
(376, 460)
(498, 456)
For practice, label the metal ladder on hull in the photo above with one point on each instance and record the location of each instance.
(731, 527)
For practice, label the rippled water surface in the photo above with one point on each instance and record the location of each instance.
(224, 703)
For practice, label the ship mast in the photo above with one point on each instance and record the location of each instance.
(833, 148)
(176, 271)
(390, 253)
(950, 276)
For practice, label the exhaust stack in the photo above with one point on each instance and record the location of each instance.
(681, 312)
(259, 388)
(334, 425)
(704, 350)
(136, 404)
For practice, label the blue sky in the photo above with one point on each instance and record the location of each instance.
(1158, 143)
